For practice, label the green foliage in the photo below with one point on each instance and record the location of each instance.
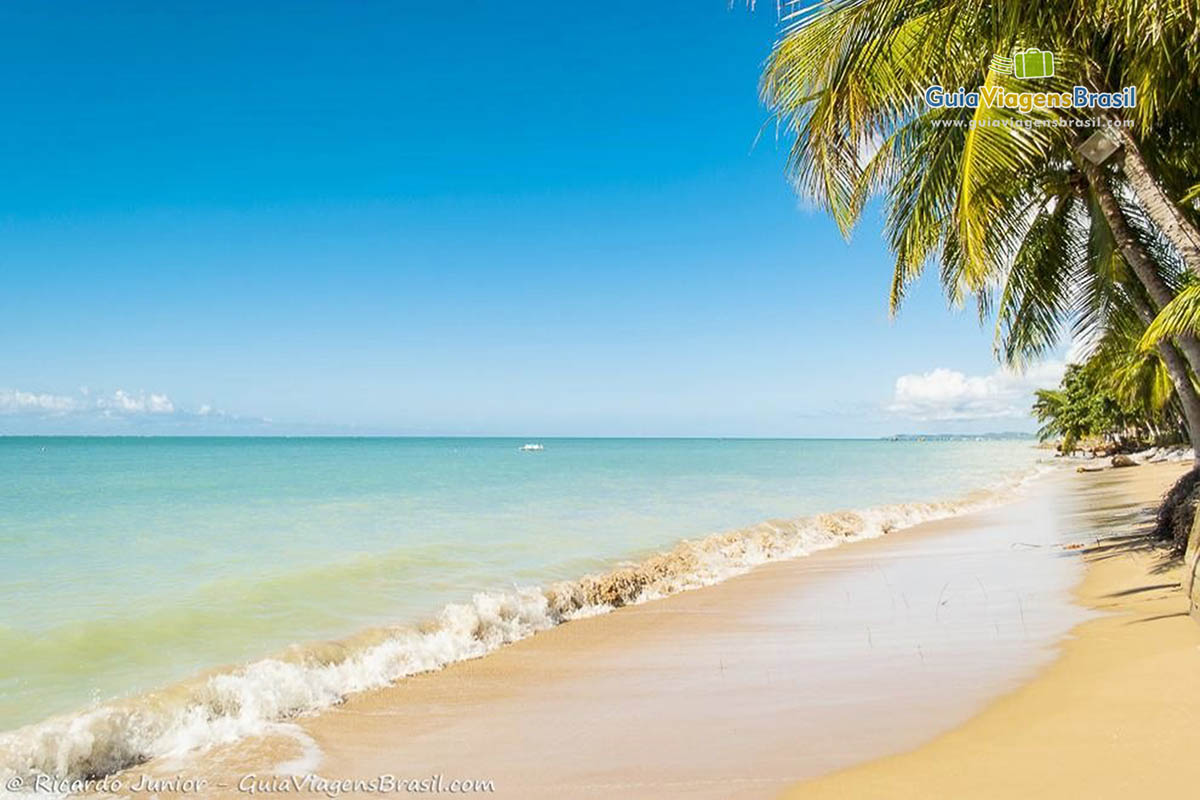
(1179, 317)
(1121, 403)
(846, 83)
(1008, 211)
(1077, 410)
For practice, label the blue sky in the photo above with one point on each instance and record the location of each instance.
(461, 218)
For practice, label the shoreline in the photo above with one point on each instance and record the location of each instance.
(794, 651)
(1112, 716)
(310, 678)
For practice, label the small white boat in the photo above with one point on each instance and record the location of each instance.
(531, 447)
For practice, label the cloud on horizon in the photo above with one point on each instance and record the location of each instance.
(111, 412)
(943, 395)
(120, 402)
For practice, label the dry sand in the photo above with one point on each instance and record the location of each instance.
(1115, 716)
(803, 668)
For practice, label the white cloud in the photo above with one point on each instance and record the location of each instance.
(14, 401)
(123, 402)
(94, 412)
(945, 394)
(120, 402)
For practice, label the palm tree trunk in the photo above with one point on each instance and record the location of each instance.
(1146, 271)
(1170, 219)
(1175, 227)
(1185, 390)
(1136, 256)
(1181, 379)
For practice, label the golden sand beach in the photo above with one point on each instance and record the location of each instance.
(934, 662)
(1114, 716)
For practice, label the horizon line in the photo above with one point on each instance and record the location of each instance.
(892, 436)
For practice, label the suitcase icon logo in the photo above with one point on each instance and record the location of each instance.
(1030, 63)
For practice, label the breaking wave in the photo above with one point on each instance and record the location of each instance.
(223, 706)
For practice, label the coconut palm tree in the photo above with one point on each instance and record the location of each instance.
(970, 186)
(1068, 271)
(1108, 397)
(846, 81)
(1181, 317)
(847, 78)
(1153, 45)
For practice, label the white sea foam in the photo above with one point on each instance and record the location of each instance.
(260, 697)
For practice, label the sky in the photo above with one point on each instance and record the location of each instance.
(458, 218)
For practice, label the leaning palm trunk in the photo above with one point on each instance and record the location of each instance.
(1146, 271)
(1136, 257)
(1175, 226)
(1181, 379)
(1135, 254)
(1185, 390)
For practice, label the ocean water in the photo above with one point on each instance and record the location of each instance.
(134, 565)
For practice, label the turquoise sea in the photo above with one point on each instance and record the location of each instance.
(131, 564)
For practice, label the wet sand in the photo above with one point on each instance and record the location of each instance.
(795, 670)
(1115, 716)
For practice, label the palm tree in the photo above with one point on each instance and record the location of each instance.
(1180, 317)
(1051, 408)
(847, 80)
(996, 202)
(1153, 45)
(1068, 271)
(1091, 401)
